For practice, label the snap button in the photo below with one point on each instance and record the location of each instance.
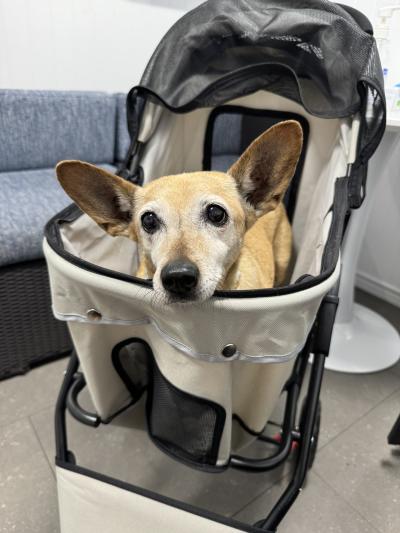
(93, 314)
(229, 350)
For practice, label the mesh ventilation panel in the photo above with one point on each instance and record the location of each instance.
(184, 425)
(131, 360)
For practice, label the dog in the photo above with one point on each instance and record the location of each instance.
(201, 231)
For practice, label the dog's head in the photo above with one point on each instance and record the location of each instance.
(189, 227)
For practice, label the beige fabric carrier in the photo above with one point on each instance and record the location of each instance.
(267, 331)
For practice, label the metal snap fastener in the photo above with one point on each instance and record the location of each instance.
(229, 350)
(93, 314)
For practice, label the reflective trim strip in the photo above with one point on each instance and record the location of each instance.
(238, 356)
(76, 317)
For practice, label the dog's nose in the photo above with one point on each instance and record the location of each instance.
(180, 277)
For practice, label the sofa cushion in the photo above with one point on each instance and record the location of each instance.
(28, 199)
(40, 128)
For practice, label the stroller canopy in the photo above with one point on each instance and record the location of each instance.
(311, 51)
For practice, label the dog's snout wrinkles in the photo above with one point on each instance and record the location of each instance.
(180, 277)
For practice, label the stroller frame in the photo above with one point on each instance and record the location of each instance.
(305, 435)
(337, 78)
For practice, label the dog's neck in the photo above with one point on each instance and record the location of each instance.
(232, 278)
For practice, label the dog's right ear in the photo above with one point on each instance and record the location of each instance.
(106, 198)
(263, 172)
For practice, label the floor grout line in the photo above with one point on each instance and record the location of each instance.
(27, 415)
(284, 476)
(339, 496)
(326, 481)
(396, 391)
(42, 447)
(314, 470)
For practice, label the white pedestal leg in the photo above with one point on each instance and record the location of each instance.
(362, 340)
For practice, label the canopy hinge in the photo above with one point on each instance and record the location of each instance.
(134, 177)
(131, 170)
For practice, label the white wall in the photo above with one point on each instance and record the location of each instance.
(87, 44)
(81, 44)
(105, 45)
(378, 269)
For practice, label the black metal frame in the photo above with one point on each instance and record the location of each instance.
(394, 435)
(306, 434)
(317, 344)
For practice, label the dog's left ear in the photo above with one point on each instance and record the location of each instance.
(264, 170)
(105, 197)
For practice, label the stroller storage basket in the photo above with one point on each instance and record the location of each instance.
(211, 373)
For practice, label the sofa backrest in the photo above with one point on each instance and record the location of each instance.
(40, 128)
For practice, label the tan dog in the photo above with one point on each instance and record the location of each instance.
(201, 231)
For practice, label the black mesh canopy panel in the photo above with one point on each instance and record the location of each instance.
(312, 51)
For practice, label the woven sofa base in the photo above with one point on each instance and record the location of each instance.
(29, 334)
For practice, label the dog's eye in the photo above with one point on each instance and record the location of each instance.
(150, 222)
(216, 214)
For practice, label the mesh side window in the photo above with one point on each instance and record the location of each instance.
(185, 426)
(131, 360)
(231, 129)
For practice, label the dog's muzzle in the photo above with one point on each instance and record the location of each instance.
(180, 277)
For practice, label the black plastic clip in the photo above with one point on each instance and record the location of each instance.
(324, 324)
(131, 170)
(135, 177)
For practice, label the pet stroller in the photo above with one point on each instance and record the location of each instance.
(209, 375)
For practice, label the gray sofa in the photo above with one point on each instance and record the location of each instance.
(38, 129)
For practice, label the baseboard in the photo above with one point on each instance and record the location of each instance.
(378, 288)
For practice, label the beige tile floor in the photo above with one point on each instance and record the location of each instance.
(354, 485)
